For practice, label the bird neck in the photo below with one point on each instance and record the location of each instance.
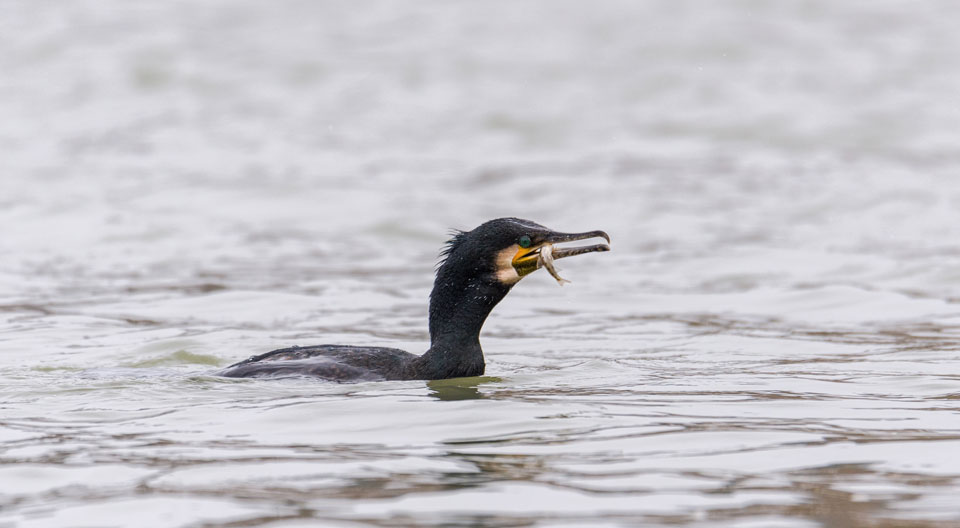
(458, 309)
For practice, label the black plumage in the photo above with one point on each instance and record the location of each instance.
(478, 268)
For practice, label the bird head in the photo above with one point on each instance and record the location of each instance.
(507, 249)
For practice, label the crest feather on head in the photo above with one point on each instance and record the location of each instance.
(456, 238)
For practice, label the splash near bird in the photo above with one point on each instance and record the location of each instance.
(478, 268)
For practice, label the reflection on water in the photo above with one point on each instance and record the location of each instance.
(773, 341)
(460, 388)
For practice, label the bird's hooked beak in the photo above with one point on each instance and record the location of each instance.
(542, 252)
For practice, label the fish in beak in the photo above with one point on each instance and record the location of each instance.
(542, 251)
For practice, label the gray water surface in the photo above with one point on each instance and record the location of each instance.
(774, 340)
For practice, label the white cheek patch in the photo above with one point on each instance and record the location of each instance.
(505, 272)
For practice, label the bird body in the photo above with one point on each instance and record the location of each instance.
(334, 362)
(478, 269)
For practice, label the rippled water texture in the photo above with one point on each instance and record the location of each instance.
(774, 340)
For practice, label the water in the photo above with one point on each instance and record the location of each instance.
(774, 340)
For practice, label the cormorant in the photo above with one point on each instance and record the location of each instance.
(478, 268)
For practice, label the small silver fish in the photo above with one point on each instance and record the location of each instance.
(545, 260)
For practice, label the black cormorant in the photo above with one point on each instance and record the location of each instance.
(478, 269)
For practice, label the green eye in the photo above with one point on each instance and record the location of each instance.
(525, 241)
